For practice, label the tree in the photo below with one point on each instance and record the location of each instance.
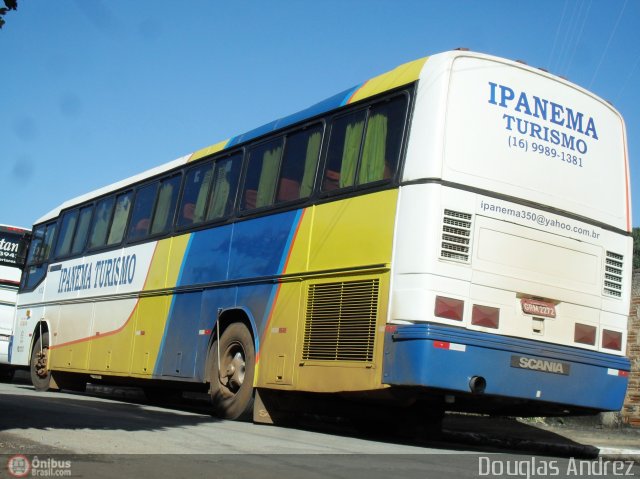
(636, 248)
(8, 5)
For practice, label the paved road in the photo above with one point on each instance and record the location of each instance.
(109, 433)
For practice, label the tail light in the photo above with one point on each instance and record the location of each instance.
(485, 316)
(612, 340)
(584, 334)
(449, 308)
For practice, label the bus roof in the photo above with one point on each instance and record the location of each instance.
(402, 75)
(14, 229)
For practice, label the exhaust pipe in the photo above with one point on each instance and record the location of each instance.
(477, 385)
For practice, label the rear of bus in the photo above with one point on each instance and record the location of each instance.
(513, 254)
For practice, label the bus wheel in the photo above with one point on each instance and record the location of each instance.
(232, 382)
(40, 374)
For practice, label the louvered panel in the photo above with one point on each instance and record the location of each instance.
(456, 236)
(613, 274)
(340, 321)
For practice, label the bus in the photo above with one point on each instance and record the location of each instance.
(13, 249)
(452, 235)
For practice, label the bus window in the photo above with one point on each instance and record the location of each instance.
(262, 174)
(142, 209)
(344, 151)
(120, 217)
(65, 237)
(225, 183)
(82, 231)
(41, 245)
(194, 196)
(382, 140)
(104, 210)
(299, 164)
(166, 205)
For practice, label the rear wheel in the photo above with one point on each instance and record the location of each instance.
(232, 382)
(40, 374)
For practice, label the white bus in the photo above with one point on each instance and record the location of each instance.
(13, 249)
(453, 234)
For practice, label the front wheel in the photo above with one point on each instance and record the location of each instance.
(40, 373)
(232, 381)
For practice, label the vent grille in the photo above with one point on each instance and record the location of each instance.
(613, 274)
(341, 321)
(456, 236)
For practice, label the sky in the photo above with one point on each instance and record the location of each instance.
(95, 91)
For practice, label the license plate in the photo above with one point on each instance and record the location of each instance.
(538, 308)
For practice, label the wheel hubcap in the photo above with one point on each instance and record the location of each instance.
(41, 363)
(232, 369)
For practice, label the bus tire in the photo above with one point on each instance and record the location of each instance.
(232, 389)
(40, 373)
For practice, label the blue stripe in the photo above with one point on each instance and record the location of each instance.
(324, 106)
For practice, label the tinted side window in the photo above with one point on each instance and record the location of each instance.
(82, 230)
(142, 209)
(224, 187)
(67, 229)
(299, 163)
(382, 140)
(364, 146)
(344, 151)
(262, 175)
(166, 205)
(120, 217)
(39, 252)
(100, 228)
(35, 248)
(194, 196)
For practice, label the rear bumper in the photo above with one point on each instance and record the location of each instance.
(440, 357)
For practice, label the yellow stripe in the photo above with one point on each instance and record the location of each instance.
(402, 75)
(209, 150)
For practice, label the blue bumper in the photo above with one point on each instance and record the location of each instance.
(441, 357)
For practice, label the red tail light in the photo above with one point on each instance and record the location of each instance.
(485, 316)
(449, 308)
(584, 334)
(611, 340)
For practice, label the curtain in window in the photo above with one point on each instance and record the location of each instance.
(310, 162)
(373, 152)
(201, 201)
(350, 152)
(99, 233)
(221, 188)
(120, 218)
(162, 210)
(268, 176)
